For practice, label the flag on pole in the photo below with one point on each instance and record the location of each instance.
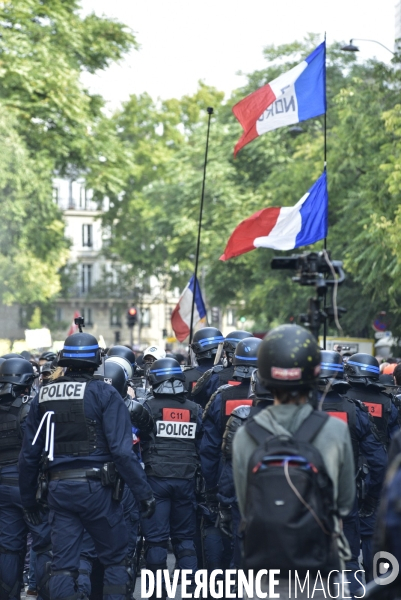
(295, 96)
(284, 228)
(73, 328)
(181, 315)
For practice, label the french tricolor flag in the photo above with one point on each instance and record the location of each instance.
(294, 96)
(181, 315)
(284, 228)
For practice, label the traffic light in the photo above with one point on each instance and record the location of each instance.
(132, 316)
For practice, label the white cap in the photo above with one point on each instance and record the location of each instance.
(154, 351)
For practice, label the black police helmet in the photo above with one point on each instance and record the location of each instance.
(289, 358)
(115, 375)
(124, 352)
(232, 339)
(12, 355)
(246, 357)
(360, 366)
(331, 365)
(81, 351)
(166, 377)
(17, 371)
(205, 341)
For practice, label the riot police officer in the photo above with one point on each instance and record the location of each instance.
(171, 461)
(115, 372)
(204, 345)
(363, 372)
(219, 375)
(365, 440)
(16, 378)
(83, 429)
(215, 417)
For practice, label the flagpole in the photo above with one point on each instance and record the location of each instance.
(325, 169)
(209, 112)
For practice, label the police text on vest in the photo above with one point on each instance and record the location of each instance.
(175, 429)
(62, 391)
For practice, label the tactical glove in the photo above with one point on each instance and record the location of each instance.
(148, 507)
(225, 520)
(34, 514)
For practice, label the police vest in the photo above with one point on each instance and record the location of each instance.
(233, 396)
(345, 410)
(12, 413)
(74, 434)
(191, 377)
(378, 405)
(171, 450)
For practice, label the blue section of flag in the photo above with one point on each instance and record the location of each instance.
(314, 214)
(200, 305)
(310, 87)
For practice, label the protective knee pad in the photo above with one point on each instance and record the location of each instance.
(7, 592)
(126, 589)
(156, 555)
(67, 573)
(183, 548)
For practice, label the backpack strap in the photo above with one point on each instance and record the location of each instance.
(257, 432)
(311, 426)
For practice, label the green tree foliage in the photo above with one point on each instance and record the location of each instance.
(50, 125)
(154, 222)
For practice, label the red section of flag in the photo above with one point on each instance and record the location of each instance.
(73, 328)
(248, 110)
(259, 224)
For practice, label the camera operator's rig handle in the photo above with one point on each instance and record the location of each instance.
(80, 321)
(313, 269)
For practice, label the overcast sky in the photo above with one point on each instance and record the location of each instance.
(183, 41)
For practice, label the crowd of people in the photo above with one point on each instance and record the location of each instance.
(259, 455)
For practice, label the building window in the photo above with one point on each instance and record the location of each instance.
(59, 314)
(56, 195)
(145, 317)
(86, 278)
(87, 314)
(87, 235)
(115, 316)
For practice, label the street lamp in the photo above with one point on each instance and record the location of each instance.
(352, 48)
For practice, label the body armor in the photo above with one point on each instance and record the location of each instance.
(75, 435)
(171, 449)
(378, 404)
(12, 414)
(345, 409)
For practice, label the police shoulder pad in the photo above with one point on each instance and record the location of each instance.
(202, 381)
(217, 368)
(242, 412)
(209, 404)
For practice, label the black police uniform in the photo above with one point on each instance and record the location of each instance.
(13, 525)
(91, 431)
(171, 461)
